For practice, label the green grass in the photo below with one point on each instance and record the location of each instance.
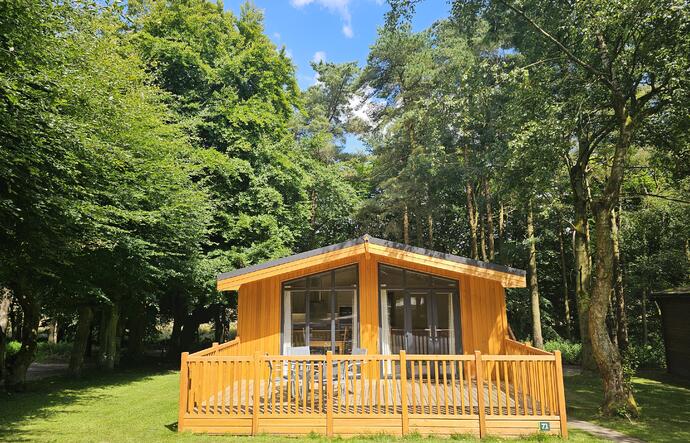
(136, 405)
(664, 402)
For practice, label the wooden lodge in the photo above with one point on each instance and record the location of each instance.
(371, 336)
(675, 311)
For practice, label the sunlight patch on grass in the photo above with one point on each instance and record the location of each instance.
(135, 406)
(665, 407)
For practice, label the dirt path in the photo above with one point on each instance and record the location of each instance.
(602, 432)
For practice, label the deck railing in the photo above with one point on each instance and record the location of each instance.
(216, 350)
(354, 394)
(514, 347)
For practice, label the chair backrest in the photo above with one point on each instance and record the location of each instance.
(298, 350)
(359, 351)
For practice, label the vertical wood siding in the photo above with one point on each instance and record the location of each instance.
(482, 307)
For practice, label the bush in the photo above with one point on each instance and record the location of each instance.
(645, 357)
(46, 352)
(12, 348)
(571, 352)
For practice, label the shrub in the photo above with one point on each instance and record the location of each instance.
(47, 352)
(571, 352)
(645, 357)
(12, 348)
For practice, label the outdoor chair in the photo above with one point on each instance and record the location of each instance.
(288, 374)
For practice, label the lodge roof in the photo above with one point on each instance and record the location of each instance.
(366, 240)
(683, 292)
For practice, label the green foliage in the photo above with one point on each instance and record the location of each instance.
(570, 352)
(13, 347)
(53, 352)
(650, 356)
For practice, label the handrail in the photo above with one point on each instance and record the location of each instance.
(218, 349)
(486, 393)
(516, 347)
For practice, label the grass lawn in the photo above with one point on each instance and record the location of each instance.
(664, 401)
(137, 405)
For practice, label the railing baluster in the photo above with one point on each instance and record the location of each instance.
(470, 385)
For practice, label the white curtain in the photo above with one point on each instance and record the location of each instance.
(287, 322)
(451, 325)
(385, 324)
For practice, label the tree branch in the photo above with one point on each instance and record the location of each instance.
(663, 197)
(589, 68)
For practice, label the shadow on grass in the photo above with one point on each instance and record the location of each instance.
(664, 404)
(46, 397)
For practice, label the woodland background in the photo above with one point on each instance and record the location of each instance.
(147, 146)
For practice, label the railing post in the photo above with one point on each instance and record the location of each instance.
(478, 367)
(403, 392)
(256, 393)
(184, 391)
(561, 395)
(329, 393)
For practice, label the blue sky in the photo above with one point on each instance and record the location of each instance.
(333, 30)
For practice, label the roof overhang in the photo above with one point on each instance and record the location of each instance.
(508, 277)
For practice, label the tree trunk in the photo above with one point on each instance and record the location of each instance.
(618, 398)
(419, 229)
(137, 328)
(501, 232)
(489, 222)
(532, 280)
(471, 213)
(81, 340)
(406, 225)
(617, 394)
(4, 323)
(645, 330)
(108, 337)
(430, 224)
(619, 295)
(53, 331)
(31, 316)
(582, 260)
(218, 327)
(482, 236)
(564, 283)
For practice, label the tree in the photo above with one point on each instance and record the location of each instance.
(632, 59)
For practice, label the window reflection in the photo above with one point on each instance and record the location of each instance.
(320, 311)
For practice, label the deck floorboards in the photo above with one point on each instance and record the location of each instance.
(427, 399)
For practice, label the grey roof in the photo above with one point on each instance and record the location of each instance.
(672, 292)
(375, 241)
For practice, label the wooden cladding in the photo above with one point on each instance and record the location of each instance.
(484, 324)
(396, 394)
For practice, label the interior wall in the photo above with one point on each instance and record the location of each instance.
(482, 307)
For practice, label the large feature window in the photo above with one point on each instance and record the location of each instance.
(320, 311)
(419, 312)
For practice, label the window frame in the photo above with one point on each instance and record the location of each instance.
(407, 315)
(332, 288)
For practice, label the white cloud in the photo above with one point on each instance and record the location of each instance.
(341, 7)
(319, 56)
(276, 35)
(362, 106)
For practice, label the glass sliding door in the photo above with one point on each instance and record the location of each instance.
(419, 312)
(320, 311)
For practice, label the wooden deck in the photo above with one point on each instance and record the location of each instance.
(396, 394)
(462, 400)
